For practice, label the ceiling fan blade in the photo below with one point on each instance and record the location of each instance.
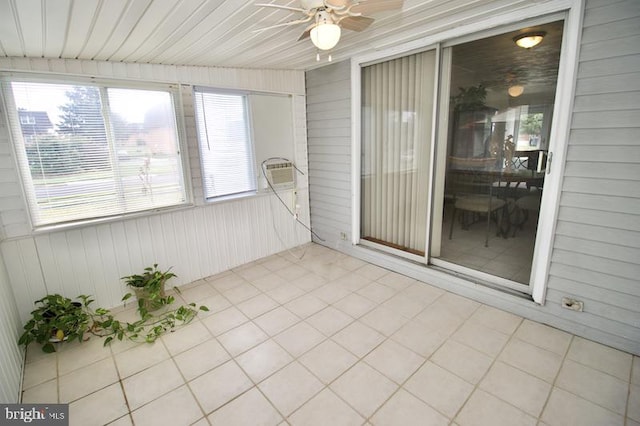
(369, 7)
(284, 24)
(277, 6)
(355, 23)
(307, 32)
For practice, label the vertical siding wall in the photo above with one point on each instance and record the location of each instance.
(11, 355)
(196, 241)
(329, 140)
(596, 255)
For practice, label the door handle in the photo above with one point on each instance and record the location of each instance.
(549, 160)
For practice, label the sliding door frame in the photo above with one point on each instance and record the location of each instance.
(573, 11)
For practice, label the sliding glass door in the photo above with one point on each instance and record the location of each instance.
(397, 110)
(493, 153)
(463, 193)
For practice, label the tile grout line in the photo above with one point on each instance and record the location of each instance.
(555, 379)
(186, 383)
(233, 358)
(475, 385)
(567, 358)
(626, 407)
(427, 359)
(327, 385)
(496, 359)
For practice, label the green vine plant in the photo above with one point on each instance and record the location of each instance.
(58, 318)
(149, 327)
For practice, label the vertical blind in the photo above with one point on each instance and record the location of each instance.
(92, 151)
(225, 143)
(397, 99)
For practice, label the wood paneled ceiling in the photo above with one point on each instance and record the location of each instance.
(210, 32)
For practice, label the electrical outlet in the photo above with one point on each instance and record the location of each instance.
(573, 304)
(343, 236)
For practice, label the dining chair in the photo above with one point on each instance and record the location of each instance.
(473, 199)
(524, 206)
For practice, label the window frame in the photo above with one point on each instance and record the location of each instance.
(17, 142)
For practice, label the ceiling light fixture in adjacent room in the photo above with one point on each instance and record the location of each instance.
(529, 40)
(515, 90)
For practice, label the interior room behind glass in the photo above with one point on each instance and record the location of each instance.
(500, 115)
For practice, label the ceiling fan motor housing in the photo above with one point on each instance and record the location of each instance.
(323, 17)
(312, 4)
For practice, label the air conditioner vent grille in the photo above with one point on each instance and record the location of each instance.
(281, 174)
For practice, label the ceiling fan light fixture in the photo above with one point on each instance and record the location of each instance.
(325, 36)
(529, 40)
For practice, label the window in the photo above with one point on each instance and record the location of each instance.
(27, 119)
(90, 151)
(225, 143)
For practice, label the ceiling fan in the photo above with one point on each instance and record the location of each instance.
(328, 17)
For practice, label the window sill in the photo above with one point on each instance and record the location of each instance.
(46, 229)
(231, 197)
(81, 224)
(248, 194)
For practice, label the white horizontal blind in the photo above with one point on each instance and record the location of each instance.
(225, 143)
(91, 151)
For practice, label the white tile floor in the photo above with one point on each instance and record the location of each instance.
(331, 340)
(508, 258)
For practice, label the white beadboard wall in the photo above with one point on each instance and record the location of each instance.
(11, 355)
(196, 241)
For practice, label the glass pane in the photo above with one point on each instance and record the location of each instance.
(501, 105)
(397, 99)
(225, 145)
(67, 151)
(83, 162)
(147, 156)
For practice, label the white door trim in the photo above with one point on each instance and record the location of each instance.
(558, 144)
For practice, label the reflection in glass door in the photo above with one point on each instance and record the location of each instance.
(491, 163)
(397, 110)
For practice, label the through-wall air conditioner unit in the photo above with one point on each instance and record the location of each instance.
(281, 175)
